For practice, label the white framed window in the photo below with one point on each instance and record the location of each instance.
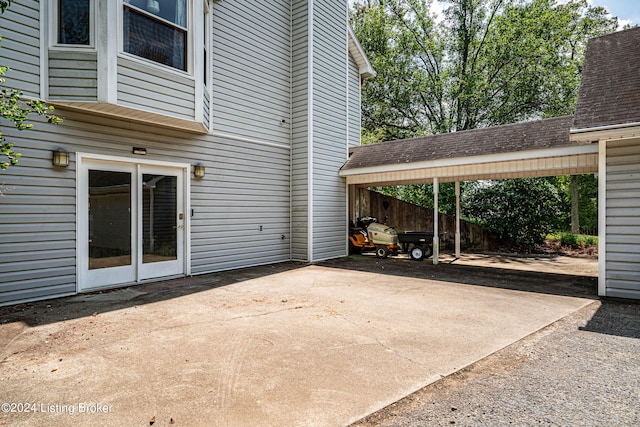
(206, 44)
(73, 22)
(157, 30)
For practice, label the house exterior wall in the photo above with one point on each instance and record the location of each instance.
(257, 203)
(20, 30)
(622, 222)
(246, 189)
(252, 70)
(324, 84)
(73, 75)
(330, 98)
(149, 88)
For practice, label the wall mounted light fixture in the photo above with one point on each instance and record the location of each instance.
(198, 171)
(60, 157)
(153, 6)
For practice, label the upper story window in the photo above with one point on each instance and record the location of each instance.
(205, 45)
(157, 30)
(73, 22)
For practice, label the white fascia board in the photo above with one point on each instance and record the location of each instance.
(460, 161)
(621, 131)
(360, 56)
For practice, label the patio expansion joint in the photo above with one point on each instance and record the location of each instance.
(397, 353)
(266, 313)
(377, 340)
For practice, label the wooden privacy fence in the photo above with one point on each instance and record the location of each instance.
(409, 217)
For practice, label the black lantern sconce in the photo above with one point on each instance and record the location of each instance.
(60, 158)
(198, 171)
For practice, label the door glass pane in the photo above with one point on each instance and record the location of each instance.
(159, 218)
(109, 219)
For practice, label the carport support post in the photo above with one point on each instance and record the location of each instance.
(436, 218)
(457, 219)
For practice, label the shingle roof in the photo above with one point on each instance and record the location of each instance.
(610, 88)
(486, 141)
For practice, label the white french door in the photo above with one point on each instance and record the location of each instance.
(131, 222)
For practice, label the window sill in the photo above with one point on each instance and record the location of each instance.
(73, 47)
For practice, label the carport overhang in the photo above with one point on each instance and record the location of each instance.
(578, 159)
(559, 157)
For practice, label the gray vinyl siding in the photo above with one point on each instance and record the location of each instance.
(206, 109)
(20, 46)
(241, 207)
(151, 88)
(251, 60)
(354, 103)
(330, 130)
(37, 222)
(300, 133)
(246, 186)
(622, 219)
(73, 75)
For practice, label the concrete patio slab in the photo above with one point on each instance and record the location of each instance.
(314, 346)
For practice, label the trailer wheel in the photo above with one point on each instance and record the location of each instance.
(417, 253)
(382, 252)
(428, 251)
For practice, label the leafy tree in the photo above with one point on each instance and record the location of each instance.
(520, 211)
(488, 62)
(16, 110)
(587, 201)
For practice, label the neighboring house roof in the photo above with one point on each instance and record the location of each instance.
(610, 88)
(359, 55)
(510, 138)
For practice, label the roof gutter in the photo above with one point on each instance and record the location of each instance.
(624, 130)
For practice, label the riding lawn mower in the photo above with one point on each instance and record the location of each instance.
(369, 235)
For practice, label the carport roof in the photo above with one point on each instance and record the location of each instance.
(528, 149)
(517, 137)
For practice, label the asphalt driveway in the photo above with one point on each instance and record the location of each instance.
(285, 345)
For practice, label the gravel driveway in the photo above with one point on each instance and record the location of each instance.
(584, 370)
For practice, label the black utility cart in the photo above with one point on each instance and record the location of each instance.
(418, 244)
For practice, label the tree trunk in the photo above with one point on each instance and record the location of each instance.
(575, 215)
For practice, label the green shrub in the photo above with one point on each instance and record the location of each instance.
(573, 240)
(519, 211)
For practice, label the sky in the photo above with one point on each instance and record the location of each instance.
(627, 11)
